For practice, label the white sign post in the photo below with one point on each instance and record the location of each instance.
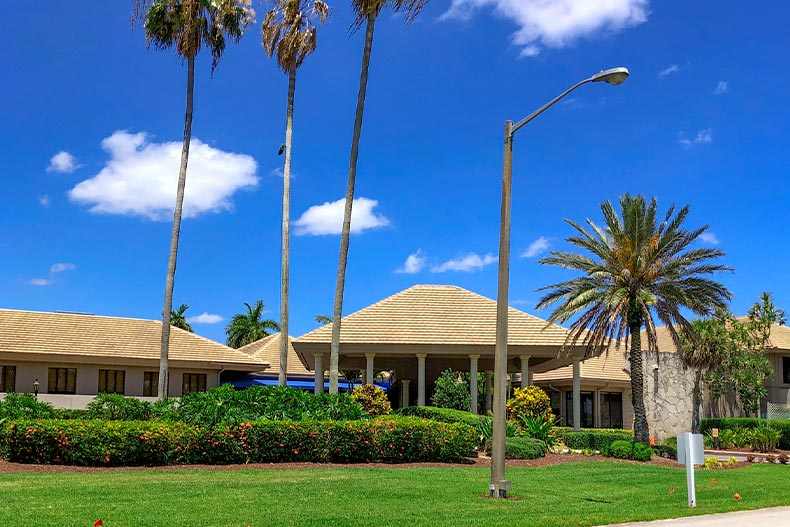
(691, 451)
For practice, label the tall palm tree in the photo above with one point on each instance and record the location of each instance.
(637, 269)
(288, 30)
(367, 11)
(246, 328)
(178, 320)
(187, 25)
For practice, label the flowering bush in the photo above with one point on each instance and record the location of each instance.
(130, 443)
(372, 398)
(531, 401)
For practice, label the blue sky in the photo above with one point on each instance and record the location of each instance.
(702, 120)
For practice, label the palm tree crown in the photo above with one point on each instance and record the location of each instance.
(178, 320)
(366, 8)
(188, 25)
(289, 31)
(246, 328)
(639, 268)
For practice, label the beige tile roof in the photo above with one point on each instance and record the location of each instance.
(779, 339)
(438, 314)
(268, 349)
(605, 367)
(37, 333)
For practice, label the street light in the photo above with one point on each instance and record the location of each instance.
(36, 386)
(499, 486)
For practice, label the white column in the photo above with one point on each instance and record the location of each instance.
(473, 381)
(319, 373)
(489, 390)
(405, 393)
(369, 374)
(421, 379)
(525, 371)
(577, 396)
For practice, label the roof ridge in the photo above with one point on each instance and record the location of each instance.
(76, 314)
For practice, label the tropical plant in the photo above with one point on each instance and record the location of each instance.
(187, 26)
(539, 427)
(451, 390)
(246, 328)
(530, 401)
(373, 399)
(351, 376)
(288, 31)
(323, 319)
(367, 11)
(178, 320)
(639, 267)
(485, 431)
(116, 407)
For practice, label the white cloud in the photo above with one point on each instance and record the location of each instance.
(536, 247)
(141, 178)
(703, 137)
(319, 220)
(62, 162)
(45, 200)
(722, 87)
(669, 70)
(467, 263)
(40, 282)
(60, 267)
(205, 318)
(555, 23)
(413, 264)
(709, 238)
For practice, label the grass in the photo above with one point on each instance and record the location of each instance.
(583, 494)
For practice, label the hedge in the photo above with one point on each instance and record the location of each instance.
(629, 450)
(524, 448)
(783, 425)
(666, 451)
(136, 443)
(594, 438)
(443, 415)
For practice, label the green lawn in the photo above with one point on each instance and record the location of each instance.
(582, 494)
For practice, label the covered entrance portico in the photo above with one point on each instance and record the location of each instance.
(426, 329)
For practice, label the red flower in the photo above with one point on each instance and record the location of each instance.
(98, 523)
(737, 496)
(296, 452)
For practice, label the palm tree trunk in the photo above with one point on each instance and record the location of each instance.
(162, 391)
(641, 430)
(334, 351)
(289, 121)
(696, 402)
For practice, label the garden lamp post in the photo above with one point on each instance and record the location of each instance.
(36, 386)
(499, 486)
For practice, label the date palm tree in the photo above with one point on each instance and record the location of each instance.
(187, 26)
(288, 30)
(367, 11)
(639, 267)
(178, 320)
(246, 328)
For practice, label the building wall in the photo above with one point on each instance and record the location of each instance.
(88, 381)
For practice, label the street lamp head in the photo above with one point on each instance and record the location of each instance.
(614, 76)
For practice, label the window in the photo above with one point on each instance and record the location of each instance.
(611, 410)
(7, 378)
(62, 380)
(150, 383)
(786, 370)
(111, 381)
(556, 402)
(586, 407)
(193, 382)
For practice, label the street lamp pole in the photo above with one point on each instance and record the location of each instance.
(499, 486)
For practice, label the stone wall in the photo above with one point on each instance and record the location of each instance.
(668, 388)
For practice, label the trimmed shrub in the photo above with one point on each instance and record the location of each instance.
(451, 390)
(531, 401)
(783, 425)
(485, 432)
(524, 448)
(372, 399)
(596, 438)
(130, 443)
(443, 415)
(4, 437)
(666, 451)
(629, 450)
(24, 406)
(115, 407)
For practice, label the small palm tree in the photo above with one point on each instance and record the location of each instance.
(288, 30)
(246, 328)
(323, 319)
(187, 26)
(636, 269)
(367, 12)
(178, 320)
